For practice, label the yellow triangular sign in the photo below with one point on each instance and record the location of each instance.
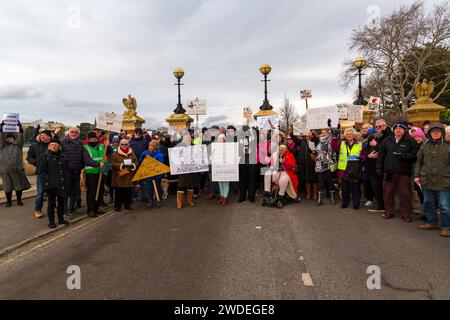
(150, 168)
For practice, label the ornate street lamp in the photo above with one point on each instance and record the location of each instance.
(265, 70)
(359, 64)
(179, 73)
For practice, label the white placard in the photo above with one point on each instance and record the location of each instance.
(196, 107)
(225, 161)
(11, 122)
(355, 113)
(343, 112)
(248, 113)
(374, 104)
(305, 94)
(300, 128)
(188, 159)
(263, 122)
(109, 121)
(318, 118)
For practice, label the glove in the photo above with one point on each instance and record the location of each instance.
(1, 126)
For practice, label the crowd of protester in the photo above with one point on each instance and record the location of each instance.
(368, 167)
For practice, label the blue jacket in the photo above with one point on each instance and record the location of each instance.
(157, 155)
(138, 146)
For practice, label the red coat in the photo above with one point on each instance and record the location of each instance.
(290, 166)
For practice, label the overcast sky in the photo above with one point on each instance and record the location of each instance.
(68, 60)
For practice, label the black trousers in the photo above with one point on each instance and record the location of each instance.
(377, 186)
(123, 196)
(325, 179)
(73, 192)
(353, 188)
(368, 190)
(248, 181)
(91, 183)
(56, 202)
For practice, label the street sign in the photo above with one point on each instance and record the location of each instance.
(305, 94)
(196, 107)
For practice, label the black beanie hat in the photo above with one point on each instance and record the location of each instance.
(55, 141)
(48, 133)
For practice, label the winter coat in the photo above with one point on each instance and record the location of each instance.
(117, 162)
(289, 165)
(76, 156)
(305, 165)
(397, 158)
(433, 163)
(138, 145)
(325, 154)
(157, 155)
(11, 164)
(35, 152)
(55, 169)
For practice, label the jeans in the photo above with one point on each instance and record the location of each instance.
(148, 187)
(40, 186)
(224, 188)
(429, 207)
(143, 191)
(325, 178)
(72, 196)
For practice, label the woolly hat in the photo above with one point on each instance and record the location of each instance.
(47, 133)
(115, 139)
(371, 131)
(400, 124)
(417, 132)
(91, 135)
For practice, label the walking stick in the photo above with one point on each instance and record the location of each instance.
(103, 162)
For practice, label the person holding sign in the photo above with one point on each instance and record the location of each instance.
(154, 152)
(11, 165)
(124, 164)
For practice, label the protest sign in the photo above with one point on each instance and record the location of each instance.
(225, 161)
(319, 118)
(305, 94)
(11, 122)
(109, 121)
(343, 112)
(196, 107)
(150, 168)
(248, 113)
(188, 159)
(374, 104)
(355, 113)
(264, 124)
(300, 128)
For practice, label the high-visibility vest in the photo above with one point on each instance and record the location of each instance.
(96, 155)
(197, 141)
(345, 151)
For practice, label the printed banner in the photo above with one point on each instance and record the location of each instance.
(11, 122)
(188, 159)
(225, 161)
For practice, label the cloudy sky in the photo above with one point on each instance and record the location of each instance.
(68, 60)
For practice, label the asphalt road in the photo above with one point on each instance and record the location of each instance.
(242, 251)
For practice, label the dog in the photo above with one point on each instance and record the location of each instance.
(165, 183)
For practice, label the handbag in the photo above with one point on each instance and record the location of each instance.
(333, 165)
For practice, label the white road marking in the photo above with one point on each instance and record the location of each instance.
(307, 280)
(258, 227)
(301, 258)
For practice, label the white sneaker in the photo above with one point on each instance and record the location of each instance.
(368, 204)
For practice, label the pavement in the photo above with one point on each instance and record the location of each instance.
(242, 251)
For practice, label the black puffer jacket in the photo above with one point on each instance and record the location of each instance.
(397, 158)
(35, 152)
(76, 156)
(56, 172)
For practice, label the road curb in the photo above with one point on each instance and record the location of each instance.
(43, 234)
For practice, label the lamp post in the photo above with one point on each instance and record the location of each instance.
(359, 64)
(265, 70)
(179, 73)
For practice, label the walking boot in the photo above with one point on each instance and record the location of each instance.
(332, 200)
(38, 215)
(220, 199)
(19, 198)
(224, 201)
(316, 190)
(190, 197)
(180, 198)
(308, 191)
(319, 198)
(51, 220)
(8, 199)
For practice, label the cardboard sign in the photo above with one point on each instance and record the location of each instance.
(196, 107)
(188, 159)
(355, 113)
(225, 161)
(150, 168)
(319, 118)
(109, 121)
(305, 94)
(248, 113)
(343, 112)
(11, 122)
(374, 104)
(300, 128)
(263, 122)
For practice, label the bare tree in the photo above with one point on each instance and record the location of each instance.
(288, 115)
(399, 49)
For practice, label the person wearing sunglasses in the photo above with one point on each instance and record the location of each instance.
(124, 163)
